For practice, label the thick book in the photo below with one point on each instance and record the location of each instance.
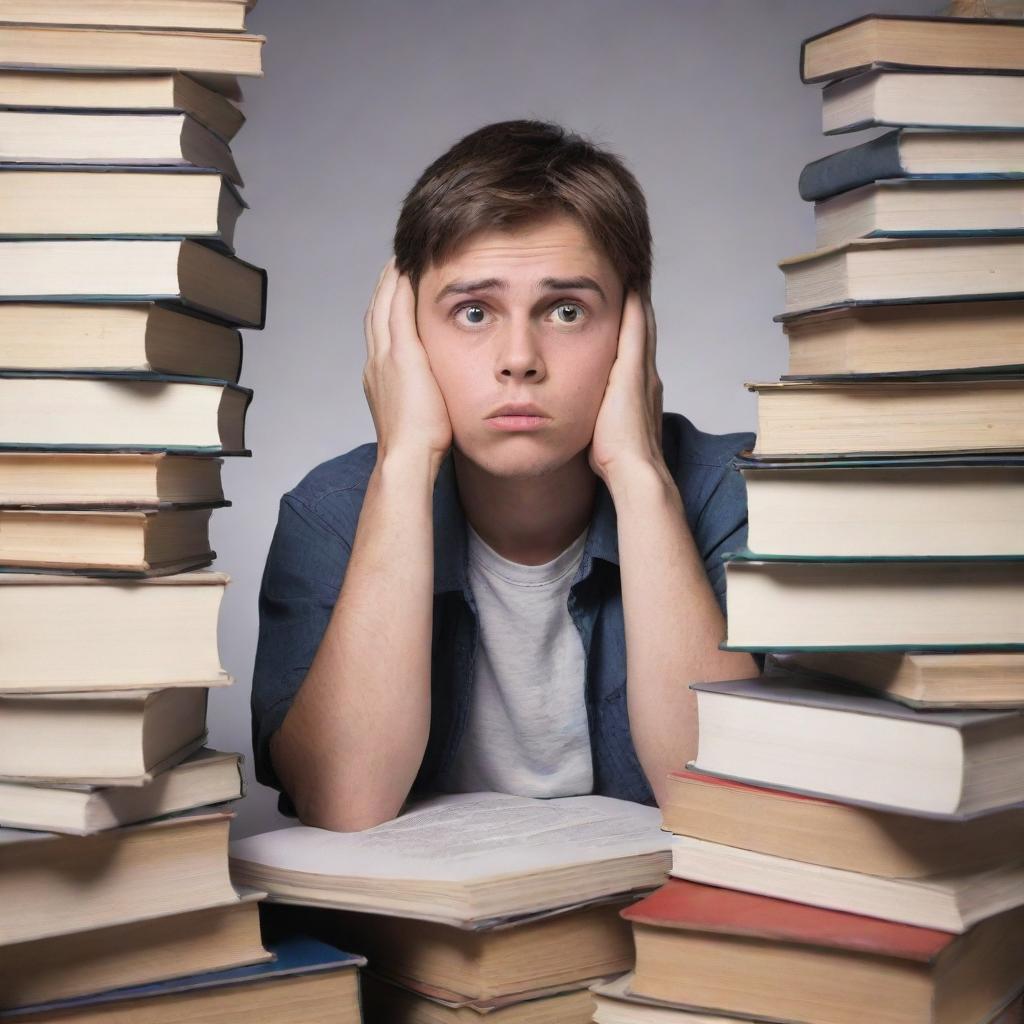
(849, 837)
(968, 103)
(877, 416)
(935, 506)
(209, 15)
(119, 738)
(745, 955)
(133, 338)
(972, 679)
(66, 411)
(874, 270)
(142, 542)
(175, 945)
(111, 201)
(614, 1004)
(97, 137)
(917, 156)
(305, 981)
(92, 92)
(882, 603)
(203, 778)
(915, 209)
(130, 634)
(822, 738)
(134, 270)
(53, 885)
(907, 339)
(916, 42)
(467, 859)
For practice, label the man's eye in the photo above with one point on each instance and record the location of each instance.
(573, 313)
(474, 314)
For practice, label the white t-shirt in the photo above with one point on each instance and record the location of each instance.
(527, 731)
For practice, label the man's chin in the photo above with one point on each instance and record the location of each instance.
(513, 460)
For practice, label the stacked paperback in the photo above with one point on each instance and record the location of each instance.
(121, 300)
(849, 842)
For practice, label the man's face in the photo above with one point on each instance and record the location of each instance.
(527, 315)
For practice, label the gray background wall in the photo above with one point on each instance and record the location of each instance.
(703, 100)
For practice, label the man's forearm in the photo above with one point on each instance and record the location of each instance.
(351, 744)
(673, 623)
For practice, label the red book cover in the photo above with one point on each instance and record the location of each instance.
(707, 908)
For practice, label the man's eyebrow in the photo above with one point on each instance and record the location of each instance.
(547, 283)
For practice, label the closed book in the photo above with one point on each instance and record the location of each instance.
(205, 777)
(212, 15)
(937, 506)
(60, 411)
(613, 1004)
(142, 542)
(96, 137)
(819, 737)
(912, 209)
(134, 270)
(875, 270)
(113, 738)
(115, 202)
(916, 155)
(907, 338)
(740, 954)
(130, 634)
(128, 338)
(89, 92)
(920, 43)
(968, 103)
(305, 981)
(55, 885)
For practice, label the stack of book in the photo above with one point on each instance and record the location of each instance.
(848, 841)
(119, 360)
(469, 904)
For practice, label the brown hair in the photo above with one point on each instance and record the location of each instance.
(513, 172)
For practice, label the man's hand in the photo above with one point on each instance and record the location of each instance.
(627, 432)
(409, 412)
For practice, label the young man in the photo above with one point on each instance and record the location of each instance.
(454, 607)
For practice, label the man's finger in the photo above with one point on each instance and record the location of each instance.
(402, 321)
(368, 316)
(382, 310)
(632, 331)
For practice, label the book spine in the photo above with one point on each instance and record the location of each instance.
(852, 168)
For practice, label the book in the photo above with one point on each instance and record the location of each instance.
(122, 738)
(903, 604)
(972, 679)
(115, 202)
(906, 41)
(143, 542)
(212, 15)
(93, 91)
(613, 1004)
(145, 634)
(865, 416)
(306, 981)
(134, 270)
(81, 480)
(507, 962)
(824, 739)
(466, 859)
(137, 953)
(96, 137)
(917, 155)
(872, 270)
(951, 903)
(920, 208)
(740, 954)
(911, 338)
(205, 777)
(925, 507)
(846, 836)
(129, 338)
(56, 885)
(63, 411)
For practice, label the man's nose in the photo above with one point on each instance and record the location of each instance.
(519, 353)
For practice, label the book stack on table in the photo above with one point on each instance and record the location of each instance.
(849, 841)
(120, 303)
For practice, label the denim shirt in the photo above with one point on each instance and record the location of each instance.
(309, 554)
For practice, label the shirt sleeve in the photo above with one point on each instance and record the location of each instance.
(301, 582)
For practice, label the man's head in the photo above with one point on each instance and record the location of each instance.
(520, 243)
